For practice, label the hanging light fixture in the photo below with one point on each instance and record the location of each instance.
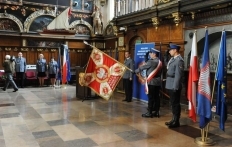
(102, 2)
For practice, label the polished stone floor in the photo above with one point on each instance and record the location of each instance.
(48, 117)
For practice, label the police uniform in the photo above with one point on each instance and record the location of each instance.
(52, 69)
(41, 67)
(175, 72)
(153, 85)
(126, 79)
(20, 69)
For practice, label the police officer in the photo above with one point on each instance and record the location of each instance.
(153, 73)
(41, 69)
(53, 70)
(127, 77)
(9, 69)
(175, 70)
(20, 68)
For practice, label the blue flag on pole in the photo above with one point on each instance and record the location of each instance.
(68, 64)
(59, 67)
(221, 108)
(204, 91)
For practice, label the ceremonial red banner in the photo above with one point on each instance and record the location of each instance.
(103, 73)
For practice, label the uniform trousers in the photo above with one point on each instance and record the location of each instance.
(20, 76)
(128, 89)
(154, 98)
(175, 102)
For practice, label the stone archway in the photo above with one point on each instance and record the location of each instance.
(13, 18)
(34, 15)
(82, 22)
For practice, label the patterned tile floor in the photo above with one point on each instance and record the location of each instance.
(47, 117)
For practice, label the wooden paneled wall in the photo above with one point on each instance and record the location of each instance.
(10, 41)
(78, 51)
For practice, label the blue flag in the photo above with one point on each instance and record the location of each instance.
(68, 65)
(204, 91)
(221, 74)
(59, 67)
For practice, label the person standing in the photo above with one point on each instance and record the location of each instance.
(127, 77)
(153, 68)
(53, 70)
(41, 69)
(9, 69)
(20, 68)
(175, 72)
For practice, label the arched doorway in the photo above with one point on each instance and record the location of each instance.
(132, 42)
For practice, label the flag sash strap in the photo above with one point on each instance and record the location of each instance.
(154, 72)
(151, 75)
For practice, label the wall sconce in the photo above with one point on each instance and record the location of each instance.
(155, 22)
(102, 2)
(193, 15)
(177, 18)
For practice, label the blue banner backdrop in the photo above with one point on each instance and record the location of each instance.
(139, 57)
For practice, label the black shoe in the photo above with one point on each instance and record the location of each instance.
(124, 100)
(3, 89)
(156, 114)
(170, 122)
(15, 90)
(129, 101)
(148, 114)
(174, 125)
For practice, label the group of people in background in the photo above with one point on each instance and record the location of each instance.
(18, 67)
(174, 75)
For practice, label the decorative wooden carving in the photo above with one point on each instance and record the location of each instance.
(14, 2)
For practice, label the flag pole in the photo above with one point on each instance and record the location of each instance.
(212, 94)
(63, 84)
(108, 55)
(58, 81)
(204, 140)
(161, 86)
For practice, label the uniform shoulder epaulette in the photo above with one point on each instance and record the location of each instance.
(180, 58)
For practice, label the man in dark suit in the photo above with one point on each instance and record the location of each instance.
(20, 69)
(127, 77)
(153, 76)
(175, 72)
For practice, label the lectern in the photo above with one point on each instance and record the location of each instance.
(82, 91)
